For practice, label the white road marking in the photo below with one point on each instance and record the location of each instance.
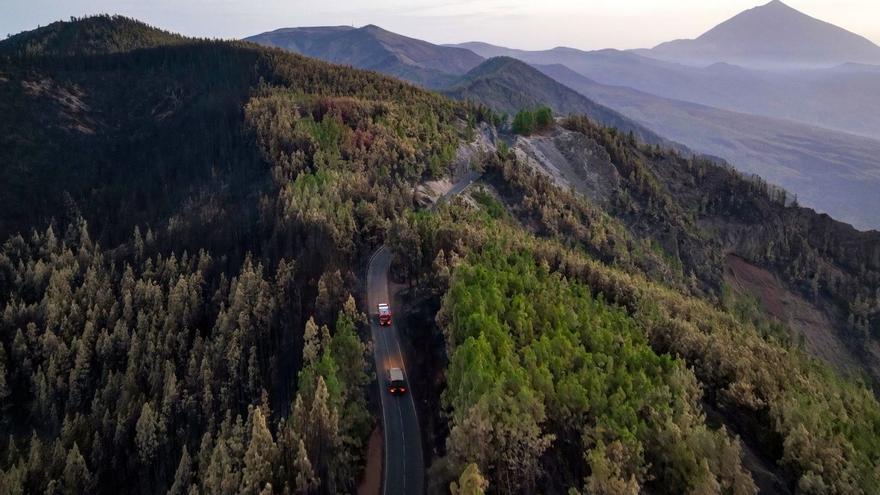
(403, 443)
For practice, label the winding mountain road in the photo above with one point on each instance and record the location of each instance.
(403, 465)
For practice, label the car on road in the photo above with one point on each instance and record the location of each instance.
(396, 381)
(384, 314)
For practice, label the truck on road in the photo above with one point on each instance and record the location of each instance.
(384, 314)
(396, 381)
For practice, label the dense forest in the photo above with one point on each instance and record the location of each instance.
(697, 212)
(130, 369)
(185, 223)
(538, 363)
(177, 302)
(513, 303)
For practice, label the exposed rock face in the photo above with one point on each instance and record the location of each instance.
(572, 160)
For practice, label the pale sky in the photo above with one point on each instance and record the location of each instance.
(528, 24)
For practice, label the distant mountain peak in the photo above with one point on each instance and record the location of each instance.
(773, 6)
(776, 4)
(770, 35)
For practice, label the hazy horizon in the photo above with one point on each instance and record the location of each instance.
(596, 24)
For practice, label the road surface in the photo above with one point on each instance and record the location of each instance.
(404, 469)
(403, 465)
(459, 186)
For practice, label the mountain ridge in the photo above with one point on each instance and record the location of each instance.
(510, 92)
(841, 98)
(509, 85)
(373, 48)
(95, 35)
(769, 147)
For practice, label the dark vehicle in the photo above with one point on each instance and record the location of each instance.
(384, 315)
(396, 382)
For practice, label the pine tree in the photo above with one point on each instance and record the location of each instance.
(471, 437)
(220, 476)
(524, 122)
(707, 484)
(331, 290)
(471, 482)
(4, 386)
(305, 475)
(170, 392)
(183, 475)
(299, 419)
(79, 376)
(76, 474)
(12, 480)
(312, 345)
(147, 434)
(323, 434)
(543, 118)
(260, 456)
(348, 352)
(606, 477)
(138, 242)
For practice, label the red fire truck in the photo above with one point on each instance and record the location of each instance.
(384, 315)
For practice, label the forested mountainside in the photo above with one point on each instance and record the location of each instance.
(186, 221)
(690, 205)
(794, 128)
(701, 214)
(184, 224)
(569, 381)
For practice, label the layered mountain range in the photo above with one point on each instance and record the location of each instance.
(803, 125)
(188, 231)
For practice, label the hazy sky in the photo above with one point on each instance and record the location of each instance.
(530, 24)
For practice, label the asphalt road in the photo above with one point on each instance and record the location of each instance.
(460, 186)
(403, 465)
(404, 469)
